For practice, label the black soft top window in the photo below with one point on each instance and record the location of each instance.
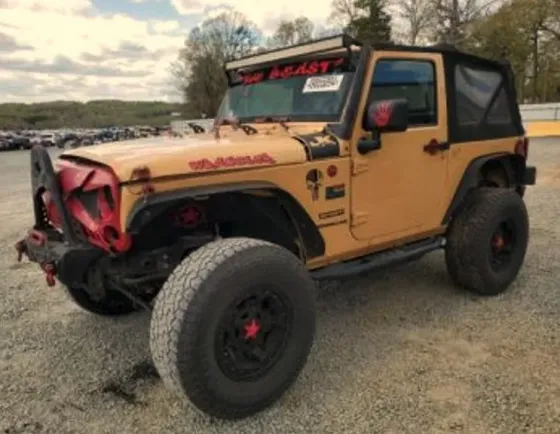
(481, 101)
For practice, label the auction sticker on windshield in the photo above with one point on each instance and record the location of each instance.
(323, 83)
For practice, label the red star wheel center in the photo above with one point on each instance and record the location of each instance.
(189, 216)
(499, 242)
(252, 329)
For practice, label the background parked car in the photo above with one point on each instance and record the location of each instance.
(71, 138)
(20, 142)
(47, 140)
(88, 140)
(35, 140)
(66, 139)
(5, 144)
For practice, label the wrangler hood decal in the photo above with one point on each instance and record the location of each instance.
(199, 154)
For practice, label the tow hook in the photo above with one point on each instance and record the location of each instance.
(21, 250)
(50, 272)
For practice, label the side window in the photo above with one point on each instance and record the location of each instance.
(500, 113)
(414, 80)
(483, 109)
(474, 89)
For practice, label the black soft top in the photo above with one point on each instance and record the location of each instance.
(346, 41)
(447, 50)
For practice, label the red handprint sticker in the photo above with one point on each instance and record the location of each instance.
(382, 114)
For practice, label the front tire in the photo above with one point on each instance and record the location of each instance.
(487, 241)
(233, 326)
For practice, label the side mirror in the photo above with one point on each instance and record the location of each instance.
(390, 115)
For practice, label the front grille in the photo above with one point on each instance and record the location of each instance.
(89, 200)
(109, 198)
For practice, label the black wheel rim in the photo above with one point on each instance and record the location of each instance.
(502, 245)
(252, 335)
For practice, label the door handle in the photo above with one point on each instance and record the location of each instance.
(434, 147)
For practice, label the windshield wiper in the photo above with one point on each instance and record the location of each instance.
(235, 124)
(275, 119)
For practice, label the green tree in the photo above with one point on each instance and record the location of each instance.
(541, 22)
(343, 12)
(372, 24)
(503, 35)
(93, 114)
(199, 69)
(455, 17)
(519, 32)
(551, 22)
(417, 17)
(293, 32)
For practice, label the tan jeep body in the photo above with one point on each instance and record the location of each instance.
(393, 196)
(382, 155)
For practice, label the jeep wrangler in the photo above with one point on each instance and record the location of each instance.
(327, 159)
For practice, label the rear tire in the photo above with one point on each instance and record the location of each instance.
(233, 326)
(487, 241)
(113, 304)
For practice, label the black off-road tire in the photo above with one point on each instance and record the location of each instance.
(189, 308)
(113, 304)
(468, 252)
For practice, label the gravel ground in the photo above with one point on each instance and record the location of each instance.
(397, 352)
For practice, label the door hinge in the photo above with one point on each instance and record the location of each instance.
(359, 218)
(358, 167)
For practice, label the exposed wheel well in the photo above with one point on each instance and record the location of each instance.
(493, 174)
(501, 171)
(268, 214)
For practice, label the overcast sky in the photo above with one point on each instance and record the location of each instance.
(92, 49)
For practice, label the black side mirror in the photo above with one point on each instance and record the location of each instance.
(390, 115)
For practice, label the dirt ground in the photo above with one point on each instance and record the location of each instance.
(398, 352)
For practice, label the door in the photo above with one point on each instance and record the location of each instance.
(397, 190)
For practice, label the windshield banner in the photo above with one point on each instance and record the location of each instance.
(299, 69)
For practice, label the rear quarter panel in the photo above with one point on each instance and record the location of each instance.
(462, 154)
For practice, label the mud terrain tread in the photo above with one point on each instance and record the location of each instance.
(467, 239)
(169, 319)
(174, 297)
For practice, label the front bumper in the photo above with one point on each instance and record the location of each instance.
(63, 255)
(43, 178)
(68, 263)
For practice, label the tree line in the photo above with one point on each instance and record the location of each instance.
(93, 114)
(525, 32)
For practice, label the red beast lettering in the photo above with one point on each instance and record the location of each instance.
(232, 161)
(305, 68)
(253, 78)
(294, 70)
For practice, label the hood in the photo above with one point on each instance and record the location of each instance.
(201, 153)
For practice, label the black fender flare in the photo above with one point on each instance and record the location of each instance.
(147, 208)
(512, 164)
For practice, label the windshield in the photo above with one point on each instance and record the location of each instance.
(304, 91)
